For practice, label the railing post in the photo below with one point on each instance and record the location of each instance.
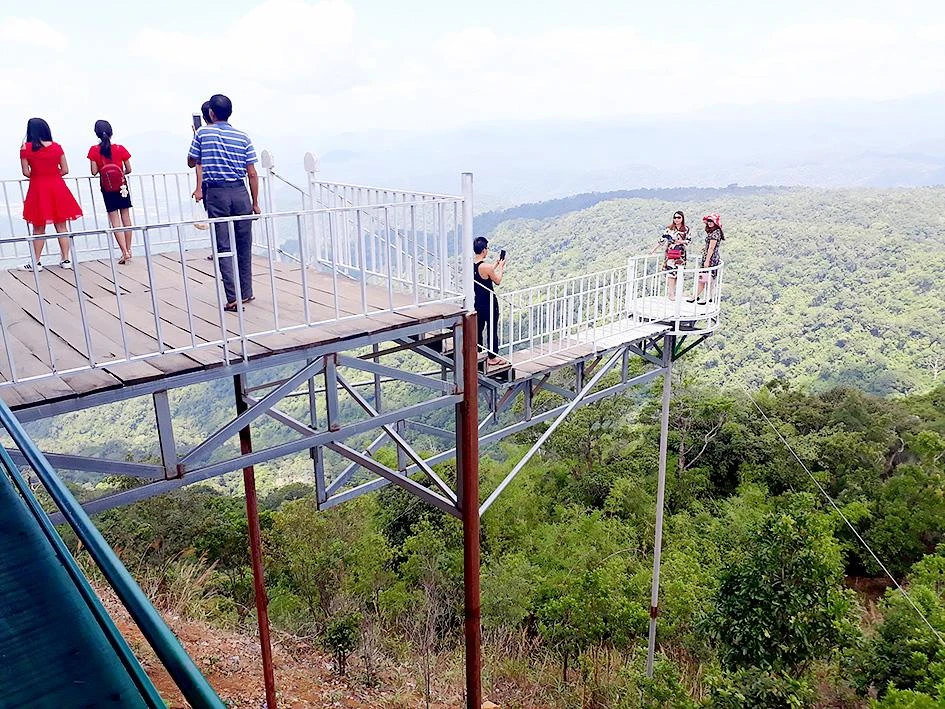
(311, 167)
(467, 246)
(268, 162)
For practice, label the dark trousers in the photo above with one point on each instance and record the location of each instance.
(483, 321)
(232, 201)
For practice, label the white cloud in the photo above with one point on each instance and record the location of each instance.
(290, 45)
(32, 32)
(309, 67)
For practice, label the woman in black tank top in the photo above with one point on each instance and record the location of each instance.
(486, 277)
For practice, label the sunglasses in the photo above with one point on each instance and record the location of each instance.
(677, 217)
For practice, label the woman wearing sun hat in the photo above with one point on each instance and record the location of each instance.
(711, 256)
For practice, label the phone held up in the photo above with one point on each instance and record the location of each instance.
(197, 121)
(502, 255)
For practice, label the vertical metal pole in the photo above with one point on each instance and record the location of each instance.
(467, 246)
(668, 345)
(255, 548)
(467, 451)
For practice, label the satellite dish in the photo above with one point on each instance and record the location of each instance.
(311, 163)
(268, 162)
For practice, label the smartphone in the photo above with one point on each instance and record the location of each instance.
(502, 255)
(198, 121)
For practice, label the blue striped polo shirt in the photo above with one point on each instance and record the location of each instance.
(223, 151)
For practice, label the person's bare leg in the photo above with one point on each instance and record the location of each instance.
(39, 244)
(65, 243)
(114, 221)
(126, 221)
(671, 287)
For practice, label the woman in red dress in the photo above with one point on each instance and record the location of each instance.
(48, 200)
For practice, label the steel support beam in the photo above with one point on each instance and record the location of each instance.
(255, 548)
(249, 414)
(223, 371)
(401, 375)
(399, 440)
(267, 454)
(467, 416)
(660, 498)
(544, 436)
(165, 431)
(397, 478)
(95, 465)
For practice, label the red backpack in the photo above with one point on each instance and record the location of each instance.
(111, 177)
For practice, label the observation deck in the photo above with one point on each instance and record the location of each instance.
(356, 289)
(349, 261)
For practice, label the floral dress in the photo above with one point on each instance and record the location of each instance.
(676, 242)
(716, 236)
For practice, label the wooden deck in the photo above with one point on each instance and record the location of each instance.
(26, 338)
(561, 353)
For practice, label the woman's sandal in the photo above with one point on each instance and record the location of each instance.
(231, 307)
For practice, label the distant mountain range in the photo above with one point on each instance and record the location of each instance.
(827, 144)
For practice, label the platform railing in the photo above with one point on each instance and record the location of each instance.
(171, 654)
(407, 239)
(101, 314)
(589, 310)
(158, 198)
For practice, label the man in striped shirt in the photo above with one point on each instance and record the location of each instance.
(227, 157)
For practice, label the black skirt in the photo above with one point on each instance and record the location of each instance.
(117, 200)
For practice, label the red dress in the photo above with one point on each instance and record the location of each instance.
(48, 200)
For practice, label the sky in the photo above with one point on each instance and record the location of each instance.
(323, 67)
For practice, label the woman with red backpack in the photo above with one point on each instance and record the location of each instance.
(112, 163)
(48, 199)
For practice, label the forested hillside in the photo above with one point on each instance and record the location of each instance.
(768, 599)
(822, 287)
(832, 320)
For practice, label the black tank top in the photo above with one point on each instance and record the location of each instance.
(484, 287)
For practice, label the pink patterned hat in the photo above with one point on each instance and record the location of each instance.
(714, 216)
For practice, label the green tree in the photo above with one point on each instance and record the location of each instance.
(905, 653)
(780, 605)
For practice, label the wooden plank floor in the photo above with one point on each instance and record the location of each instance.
(197, 326)
(527, 363)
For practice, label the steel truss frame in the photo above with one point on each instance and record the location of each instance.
(322, 375)
(511, 408)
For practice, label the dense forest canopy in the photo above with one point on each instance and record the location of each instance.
(822, 287)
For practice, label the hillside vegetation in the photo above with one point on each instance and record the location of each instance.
(832, 320)
(823, 287)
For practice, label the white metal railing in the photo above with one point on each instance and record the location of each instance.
(172, 310)
(406, 239)
(594, 310)
(158, 198)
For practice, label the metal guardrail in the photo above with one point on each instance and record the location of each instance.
(402, 285)
(192, 684)
(593, 308)
(158, 198)
(410, 240)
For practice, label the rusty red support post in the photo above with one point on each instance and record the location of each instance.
(255, 550)
(468, 467)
